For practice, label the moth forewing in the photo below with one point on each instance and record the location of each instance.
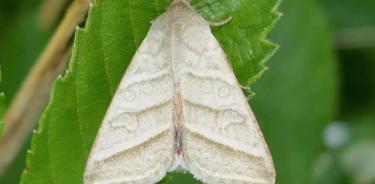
(179, 105)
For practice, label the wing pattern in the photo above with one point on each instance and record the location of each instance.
(133, 145)
(222, 142)
(179, 104)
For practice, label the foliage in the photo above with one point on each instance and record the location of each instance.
(102, 50)
(297, 96)
(295, 99)
(21, 42)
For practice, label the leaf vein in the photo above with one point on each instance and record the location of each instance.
(131, 22)
(50, 165)
(157, 7)
(80, 128)
(106, 70)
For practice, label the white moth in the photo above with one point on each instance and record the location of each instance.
(179, 106)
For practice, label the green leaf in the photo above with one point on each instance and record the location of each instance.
(21, 42)
(102, 51)
(297, 96)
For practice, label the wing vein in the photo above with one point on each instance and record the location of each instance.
(136, 143)
(255, 153)
(234, 178)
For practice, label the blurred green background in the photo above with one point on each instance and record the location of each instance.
(315, 103)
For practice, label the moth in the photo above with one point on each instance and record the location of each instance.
(179, 106)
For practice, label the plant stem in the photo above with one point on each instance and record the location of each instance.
(49, 12)
(27, 106)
